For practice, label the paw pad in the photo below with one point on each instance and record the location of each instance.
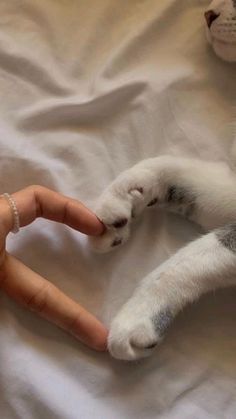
(151, 346)
(116, 242)
(138, 190)
(120, 223)
(152, 202)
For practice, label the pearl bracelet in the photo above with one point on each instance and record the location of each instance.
(14, 211)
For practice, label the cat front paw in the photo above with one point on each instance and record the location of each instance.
(137, 330)
(117, 208)
(124, 200)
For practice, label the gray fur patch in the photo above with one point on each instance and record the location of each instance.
(176, 194)
(180, 200)
(162, 321)
(227, 236)
(189, 210)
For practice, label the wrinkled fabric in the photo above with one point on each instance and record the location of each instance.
(89, 88)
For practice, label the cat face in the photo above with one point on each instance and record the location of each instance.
(221, 28)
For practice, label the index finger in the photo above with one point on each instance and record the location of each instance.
(41, 296)
(38, 201)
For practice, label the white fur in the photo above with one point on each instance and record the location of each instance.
(222, 33)
(201, 266)
(205, 192)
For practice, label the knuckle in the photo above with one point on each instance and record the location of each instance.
(37, 189)
(38, 301)
(74, 324)
(33, 188)
(65, 212)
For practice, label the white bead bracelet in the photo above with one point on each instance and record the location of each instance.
(14, 211)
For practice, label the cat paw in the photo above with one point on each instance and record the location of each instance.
(137, 330)
(122, 201)
(117, 208)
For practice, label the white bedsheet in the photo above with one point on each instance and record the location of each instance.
(88, 88)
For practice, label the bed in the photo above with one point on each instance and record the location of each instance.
(89, 88)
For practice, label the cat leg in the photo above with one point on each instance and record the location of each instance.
(204, 192)
(205, 264)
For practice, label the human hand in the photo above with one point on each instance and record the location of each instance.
(30, 289)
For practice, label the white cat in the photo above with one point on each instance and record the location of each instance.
(204, 192)
(221, 28)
